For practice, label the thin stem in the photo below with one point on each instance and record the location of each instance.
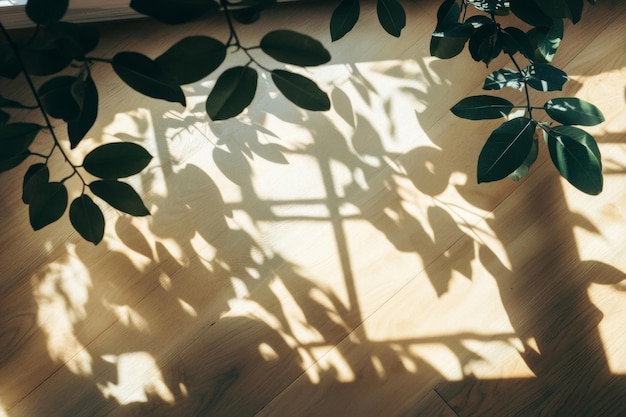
(529, 108)
(33, 90)
(235, 37)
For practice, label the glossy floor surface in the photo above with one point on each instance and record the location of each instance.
(342, 263)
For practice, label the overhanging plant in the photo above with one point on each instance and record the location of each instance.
(56, 63)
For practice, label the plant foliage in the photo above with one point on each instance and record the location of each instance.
(60, 52)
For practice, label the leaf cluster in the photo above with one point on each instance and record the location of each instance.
(512, 148)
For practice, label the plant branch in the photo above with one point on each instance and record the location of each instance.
(33, 90)
(519, 69)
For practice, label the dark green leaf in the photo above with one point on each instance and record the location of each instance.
(78, 128)
(57, 98)
(87, 219)
(447, 15)
(116, 160)
(147, 77)
(12, 162)
(515, 40)
(575, 10)
(554, 8)
(530, 12)
(484, 45)
(37, 175)
(9, 65)
(499, 7)
(43, 60)
(174, 11)
(246, 15)
(505, 150)
(576, 155)
(391, 16)
(233, 92)
(574, 111)
(482, 107)
(72, 39)
(446, 47)
(192, 58)
(44, 12)
(301, 91)
(47, 205)
(120, 196)
(15, 138)
(546, 40)
(344, 18)
(544, 77)
(294, 48)
(523, 169)
(504, 77)
(4, 117)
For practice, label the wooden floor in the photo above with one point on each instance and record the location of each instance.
(329, 264)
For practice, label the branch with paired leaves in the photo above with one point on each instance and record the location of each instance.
(513, 147)
(57, 46)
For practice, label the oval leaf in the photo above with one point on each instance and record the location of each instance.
(576, 155)
(44, 12)
(482, 107)
(72, 39)
(174, 11)
(120, 196)
(233, 92)
(147, 77)
(544, 77)
(524, 169)
(77, 129)
(47, 205)
(57, 98)
(505, 150)
(294, 48)
(574, 111)
(301, 91)
(446, 47)
(116, 160)
(192, 58)
(530, 12)
(87, 219)
(344, 18)
(504, 77)
(15, 138)
(391, 16)
(42, 60)
(36, 175)
(447, 15)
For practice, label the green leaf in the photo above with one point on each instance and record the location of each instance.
(44, 12)
(120, 196)
(246, 15)
(4, 117)
(575, 10)
(47, 205)
(482, 107)
(447, 15)
(77, 128)
(147, 77)
(515, 40)
(484, 45)
(505, 150)
(446, 47)
(504, 77)
(9, 65)
(15, 138)
(530, 12)
(544, 77)
(57, 98)
(174, 12)
(232, 93)
(87, 219)
(116, 160)
(576, 155)
(192, 58)
(546, 40)
(573, 111)
(294, 48)
(43, 60)
(36, 176)
(523, 169)
(344, 18)
(555, 8)
(13, 161)
(391, 16)
(301, 91)
(72, 39)
(499, 7)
